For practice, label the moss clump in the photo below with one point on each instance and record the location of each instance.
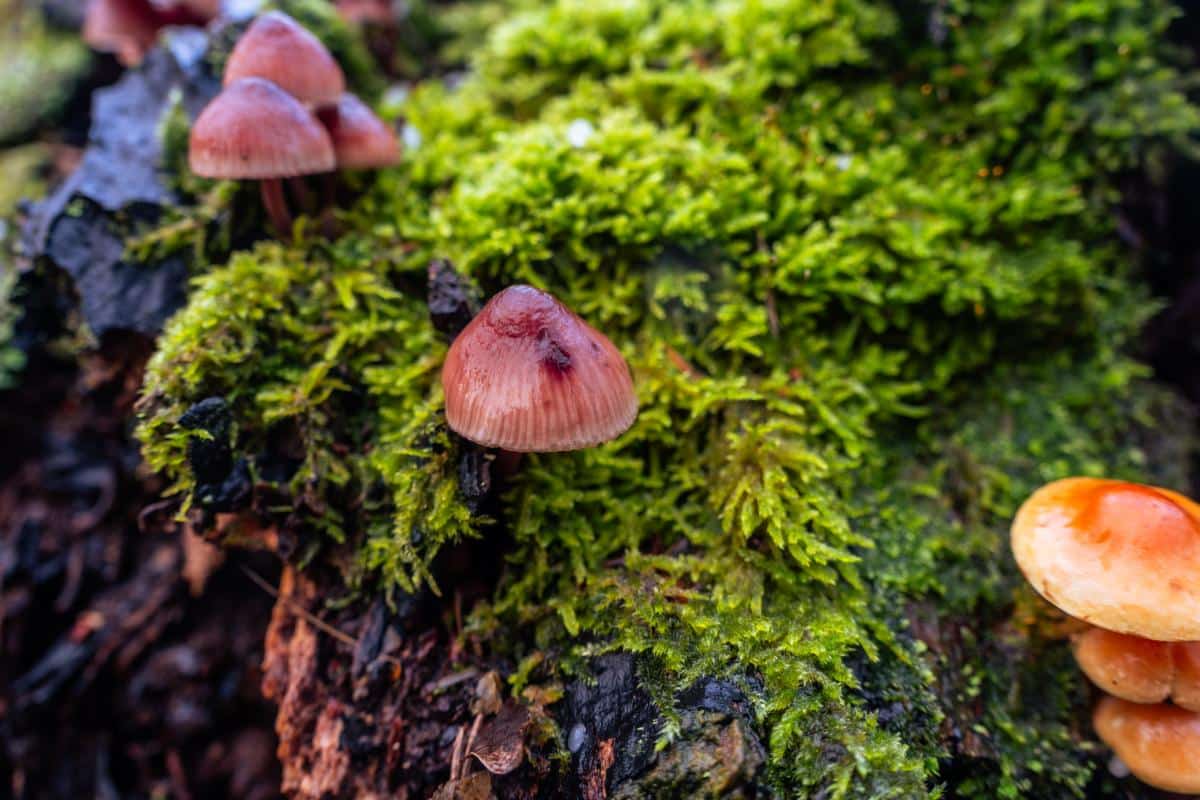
(861, 261)
(40, 69)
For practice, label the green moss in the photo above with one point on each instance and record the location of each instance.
(21, 170)
(12, 360)
(868, 286)
(39, 69)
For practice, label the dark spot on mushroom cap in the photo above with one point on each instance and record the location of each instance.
(554, 358)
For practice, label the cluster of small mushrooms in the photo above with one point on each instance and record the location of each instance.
(285, 113)
(1125, 559)
(526, 374)
(129, 28)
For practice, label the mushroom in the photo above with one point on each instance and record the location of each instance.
(128, 28)
(365, 11)
(255, 130)
(1159, 743)
(1120, 556)
(278, 48)
(186, 12)
(1140, 670)
(125, 28)
(361, 140)
(528, 375)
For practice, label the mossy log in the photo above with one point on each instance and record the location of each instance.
(862, 258)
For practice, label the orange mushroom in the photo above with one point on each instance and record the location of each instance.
(528, 375)
(1117, 555)
(1140, 670)
(1159, 743)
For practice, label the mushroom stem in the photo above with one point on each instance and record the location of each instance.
(276, 205)
(329, 189)
(506, 464)
(301, 193)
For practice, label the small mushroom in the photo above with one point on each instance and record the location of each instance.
(1140, 670)
(279, 49)
(1159, 743)
(361, 140)
(255, 130)
(186, 12)
(528, 375)
(1120, 556)
(377, 12)
(125, 28)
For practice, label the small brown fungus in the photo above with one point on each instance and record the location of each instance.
(255, 130)
(361, 140)
(125, 28)
(528, 375)
(279, 49)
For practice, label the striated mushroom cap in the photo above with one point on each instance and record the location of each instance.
(528, 375)
(1140, 670)
(1159, 743)
(361, 140)
(278, 48)
(256, 130)
(1117, 555)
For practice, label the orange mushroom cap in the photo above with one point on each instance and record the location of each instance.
(1159, 743)
(125, 28)
(1140, 670)
(1120, 556)
(361, 140)
(256, 130)
(528, 375)
(278, 48)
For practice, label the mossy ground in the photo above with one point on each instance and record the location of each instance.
(860, 257)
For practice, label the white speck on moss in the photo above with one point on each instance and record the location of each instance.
(579, 132)
(410, 136)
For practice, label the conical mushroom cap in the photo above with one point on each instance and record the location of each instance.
(256, 130)
(278, 48)
(1117, 555)
(361, 140)
(528, 375)
(1140, 670)
(1159, 743)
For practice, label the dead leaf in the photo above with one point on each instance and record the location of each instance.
(500, 746)
(476, 786)
(488, 694)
